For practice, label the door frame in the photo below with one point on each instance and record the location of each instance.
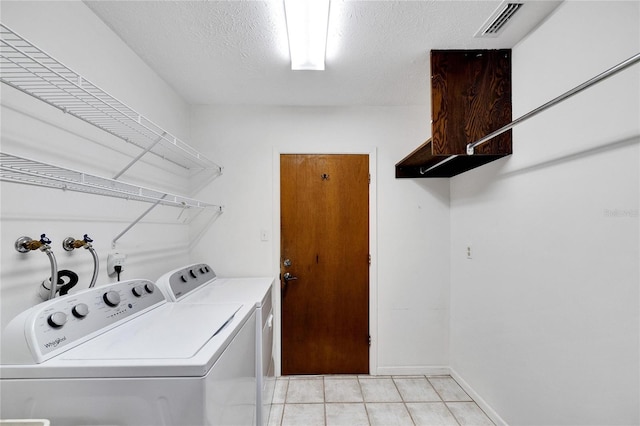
(373, 244)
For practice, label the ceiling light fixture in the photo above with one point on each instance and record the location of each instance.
(307, 26)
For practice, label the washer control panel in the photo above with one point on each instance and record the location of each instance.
(59, 324)
(183, 281)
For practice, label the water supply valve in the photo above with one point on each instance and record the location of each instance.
(70, 244)
(26, 244)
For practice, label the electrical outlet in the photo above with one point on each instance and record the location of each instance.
(113, 260)
(469, 251)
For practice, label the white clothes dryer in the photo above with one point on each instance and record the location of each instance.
(121, 355)
(198, 284)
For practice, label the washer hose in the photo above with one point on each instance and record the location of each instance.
(96, 263)
(54, 272)
(70, 244)
(73, 280)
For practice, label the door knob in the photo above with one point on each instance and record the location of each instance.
(288, 277)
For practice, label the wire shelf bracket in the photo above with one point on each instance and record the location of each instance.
(26, 171)
(30, 70)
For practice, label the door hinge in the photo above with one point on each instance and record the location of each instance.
(369, 178)
(369, 259)
(369, 340)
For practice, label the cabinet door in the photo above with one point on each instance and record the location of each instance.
(470, 98)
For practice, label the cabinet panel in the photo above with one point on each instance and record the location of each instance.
(471, 97)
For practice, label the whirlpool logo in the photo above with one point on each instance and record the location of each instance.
(55, 343)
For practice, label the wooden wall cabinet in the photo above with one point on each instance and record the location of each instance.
(470, 98)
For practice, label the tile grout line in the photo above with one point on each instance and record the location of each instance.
(444, 401)
(284, 402)
(472, 400)
(324, 400)
(358, 379)
(404, 403)
(364, 402)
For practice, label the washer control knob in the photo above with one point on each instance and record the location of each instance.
(81, 310)
(111, 298)
(192, 272)
(202, 270)
(183, 278)
(137, 291)
(57, 319)
(149, 287)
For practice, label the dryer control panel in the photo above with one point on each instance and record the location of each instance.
(180, 282)
(60, 324)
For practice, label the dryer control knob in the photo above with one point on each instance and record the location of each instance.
(183, 278)
(111, 298)
(81, 310)
(192, 272)
(137, 291)
(149, 287)
(57, 319)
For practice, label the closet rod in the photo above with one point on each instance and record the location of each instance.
(608, 73)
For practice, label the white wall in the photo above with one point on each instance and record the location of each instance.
(72, 34)
(411, 271)
(545, 316)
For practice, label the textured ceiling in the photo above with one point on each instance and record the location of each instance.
(235, 52)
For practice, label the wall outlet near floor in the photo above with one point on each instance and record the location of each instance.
(469, 251)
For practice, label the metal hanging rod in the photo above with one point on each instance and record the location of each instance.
(424, 170)
(600, 77)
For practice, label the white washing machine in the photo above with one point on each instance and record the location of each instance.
(121, 355)
(198, 284)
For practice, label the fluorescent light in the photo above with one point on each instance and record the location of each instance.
(307, 23)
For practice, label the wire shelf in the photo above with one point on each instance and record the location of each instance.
(27, 171)
(30, 70)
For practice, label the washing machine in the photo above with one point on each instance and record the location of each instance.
(120, 354)
(198, 284)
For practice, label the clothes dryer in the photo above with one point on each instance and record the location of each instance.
(198, 284)
(121, 355)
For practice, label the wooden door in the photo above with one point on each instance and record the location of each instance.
(325, 241)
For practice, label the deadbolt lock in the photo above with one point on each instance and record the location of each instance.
(287, 262)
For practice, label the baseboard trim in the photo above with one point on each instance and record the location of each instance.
(413, 370)
(489, 411)
(444, 371)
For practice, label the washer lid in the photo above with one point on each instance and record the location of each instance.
(173, 331)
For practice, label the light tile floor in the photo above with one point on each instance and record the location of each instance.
(373, 401)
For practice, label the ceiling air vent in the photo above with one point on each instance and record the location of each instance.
(498, 19)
